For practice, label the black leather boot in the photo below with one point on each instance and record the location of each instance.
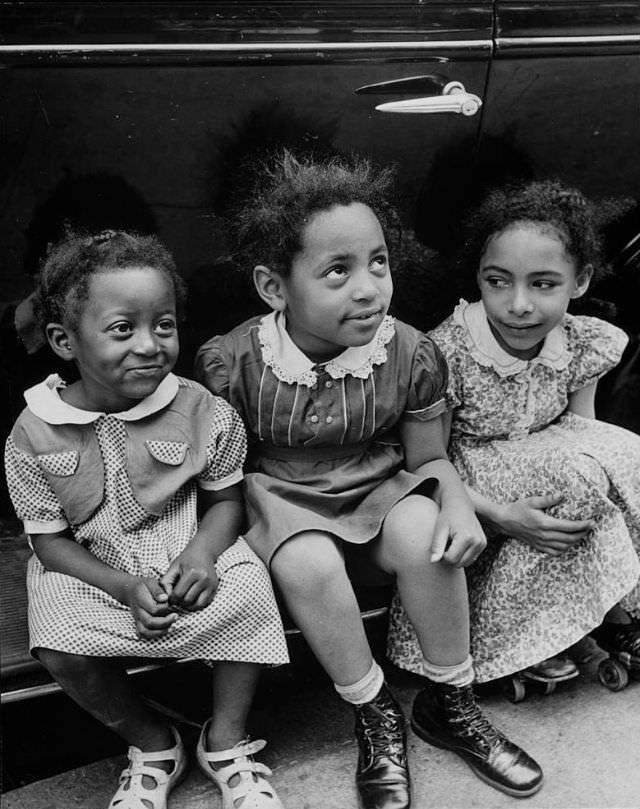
(448, 716)
(382, 776)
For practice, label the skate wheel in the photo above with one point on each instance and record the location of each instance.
(514, 690)
(548, 688)
(613, 675)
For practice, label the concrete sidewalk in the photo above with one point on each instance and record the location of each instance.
(586, 738)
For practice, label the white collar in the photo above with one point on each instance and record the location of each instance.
(44, 401)
(291, 365)
(487, 351)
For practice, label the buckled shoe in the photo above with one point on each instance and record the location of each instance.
(382, 775)
(448, 716)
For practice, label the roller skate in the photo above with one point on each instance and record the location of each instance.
(622, 642)
(545, 676)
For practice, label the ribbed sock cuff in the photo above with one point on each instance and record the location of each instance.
(460, 675)
(365, 689)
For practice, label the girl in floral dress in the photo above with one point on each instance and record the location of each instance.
(557, 490)
(107, 474)
(347, 469)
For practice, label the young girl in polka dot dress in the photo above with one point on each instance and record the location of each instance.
(347, 471)
(558, 491)
(106, 474)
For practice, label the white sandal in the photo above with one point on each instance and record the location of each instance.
(132, 792)
(252, 791)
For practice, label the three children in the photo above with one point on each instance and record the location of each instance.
(348, 415)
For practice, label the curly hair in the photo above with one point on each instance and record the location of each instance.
(550, 204)
(63, 285)
(268, 220)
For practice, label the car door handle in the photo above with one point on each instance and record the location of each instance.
(454, 98)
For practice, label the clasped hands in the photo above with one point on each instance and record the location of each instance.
(189, 584)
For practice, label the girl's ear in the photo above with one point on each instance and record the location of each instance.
(270, 287)
(582, 281)
(60, 340)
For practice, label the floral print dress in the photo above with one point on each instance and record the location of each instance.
(512, 437)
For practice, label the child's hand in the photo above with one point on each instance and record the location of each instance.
(191, 580)
(527, 520)
(149, 605)
(458, 537)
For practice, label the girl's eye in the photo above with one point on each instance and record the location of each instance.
(544, 284)
(337, 272)
(380, 262)
(166, 326)
(121, 328)
(497, 283)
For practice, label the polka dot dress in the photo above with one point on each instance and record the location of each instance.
(241, 624)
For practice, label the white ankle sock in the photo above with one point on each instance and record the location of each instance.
(460, 674)
(363, 690)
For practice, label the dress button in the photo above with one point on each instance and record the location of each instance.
(329, 419)
(314, 419)
(328, 384)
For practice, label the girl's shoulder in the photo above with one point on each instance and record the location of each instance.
(238, 348)
(593, 342)
(585, 327)
(453, 336)
(239, 338)
(410, 341)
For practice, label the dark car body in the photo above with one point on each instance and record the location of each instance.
(169, 96)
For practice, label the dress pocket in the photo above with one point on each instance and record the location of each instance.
(60, 464)
(171, 453)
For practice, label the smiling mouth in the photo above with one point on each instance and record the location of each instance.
(365, 315)
(145, 369)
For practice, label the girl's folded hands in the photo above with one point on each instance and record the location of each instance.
(191, 581)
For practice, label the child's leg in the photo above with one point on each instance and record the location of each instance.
(435, 598)
(234, 686)
(101, 686)
(224, 752)
(433, 595)
(157, 760)
(310, 571)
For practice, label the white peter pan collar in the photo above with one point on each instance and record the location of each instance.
(44, 401)
(487, 351)
(289, 364)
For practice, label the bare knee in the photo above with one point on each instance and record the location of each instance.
(407, 534)
(307, 563)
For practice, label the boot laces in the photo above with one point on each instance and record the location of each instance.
(470, 719)
(383, 728)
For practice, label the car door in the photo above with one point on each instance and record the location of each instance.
(168, 95)
(564, 87)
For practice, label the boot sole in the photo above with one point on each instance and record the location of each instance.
(516, 793)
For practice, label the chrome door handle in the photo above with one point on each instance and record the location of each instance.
(454, 98)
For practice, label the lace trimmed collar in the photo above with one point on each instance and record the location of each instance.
(291, 365)
(487, 351)
(44, 401)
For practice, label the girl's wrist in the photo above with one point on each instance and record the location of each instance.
(495, 516)
(122, 587)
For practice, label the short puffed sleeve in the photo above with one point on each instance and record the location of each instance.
(226, 449)
(211, 368)
(428, 386)
(33, 498)
(449, 339)
(595, 347)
